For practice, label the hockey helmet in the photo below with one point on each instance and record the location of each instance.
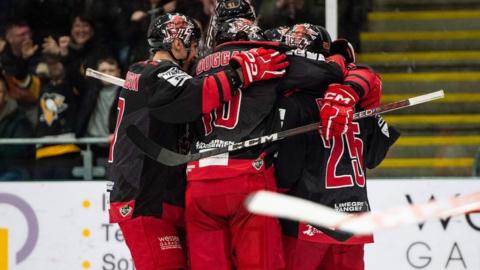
(277, 34)
(230, 9)
(167, 27)
(305, 36)
(238, 29)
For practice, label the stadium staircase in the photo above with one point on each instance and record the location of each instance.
(420, 46)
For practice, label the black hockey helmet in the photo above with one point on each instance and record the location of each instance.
(167, 27)
(230, 9)
(238, 29)
(305, 36)
(277, 34)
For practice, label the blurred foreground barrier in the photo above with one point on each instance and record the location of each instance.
(64, 225)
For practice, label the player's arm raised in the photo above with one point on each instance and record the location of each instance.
(340, 100)
(181, 98)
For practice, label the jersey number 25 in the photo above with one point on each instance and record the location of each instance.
(354, 153)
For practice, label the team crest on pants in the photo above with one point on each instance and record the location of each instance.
(257, 163)
(125, 210)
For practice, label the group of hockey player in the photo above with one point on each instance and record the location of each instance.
(252, 83)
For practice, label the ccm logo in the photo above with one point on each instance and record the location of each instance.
(338, 97)
(253, 63)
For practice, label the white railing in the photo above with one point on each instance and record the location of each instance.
(96, 140)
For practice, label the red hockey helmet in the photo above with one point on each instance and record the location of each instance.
(238, 29)
(230, 9)
(277, 34)
(305, 36)
(167, 27)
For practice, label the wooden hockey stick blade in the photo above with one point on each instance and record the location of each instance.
(171, 158)
(293, 208)
(104, 77)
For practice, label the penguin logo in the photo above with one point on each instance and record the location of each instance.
(52, 104)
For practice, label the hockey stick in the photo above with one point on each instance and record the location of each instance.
(171, 158)
(293, 208)
(211, 31)
(104, 77)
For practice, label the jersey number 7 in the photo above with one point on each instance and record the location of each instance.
(121, 109)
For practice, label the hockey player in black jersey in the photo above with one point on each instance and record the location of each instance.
(220, 230)
(331, 172)
(337, 110)
(158, 97)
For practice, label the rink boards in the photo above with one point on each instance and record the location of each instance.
(64, 225)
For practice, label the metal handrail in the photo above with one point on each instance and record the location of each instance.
(87, 155)
(86, 140)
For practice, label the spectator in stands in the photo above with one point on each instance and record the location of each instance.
(135, 24)
(19, 59)
(111, 19)
(14, 159)
(139, 18)
(46, 17)
(98, 110)
(84, 45)
(136, 21)
(84, 49)
(57, 115)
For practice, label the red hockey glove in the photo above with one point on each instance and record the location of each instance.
(343, 47)
(259, 64)
(337, 109)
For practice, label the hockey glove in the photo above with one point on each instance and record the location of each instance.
(343, 47)
(259, 64)
(337, 109)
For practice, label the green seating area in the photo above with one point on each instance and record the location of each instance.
(420, 47)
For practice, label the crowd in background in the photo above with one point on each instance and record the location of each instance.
(46, 45)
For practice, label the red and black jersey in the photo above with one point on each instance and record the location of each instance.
(159, 98)
(251, 113)
(330, 173)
